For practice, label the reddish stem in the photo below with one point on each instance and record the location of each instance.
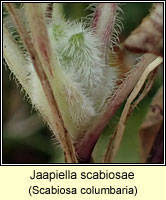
(85, 145)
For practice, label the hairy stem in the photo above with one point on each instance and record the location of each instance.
(58, 125)
(119, 132)
(85, 145)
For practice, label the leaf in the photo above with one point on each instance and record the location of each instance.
(152, 125)
(40, 52)
(106, 23)
(85, 146)
(119, 131)
(148, 37)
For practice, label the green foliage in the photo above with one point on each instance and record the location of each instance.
(37, 146)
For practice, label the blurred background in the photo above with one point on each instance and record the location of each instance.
(26, 139)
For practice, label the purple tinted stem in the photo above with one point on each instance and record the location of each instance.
(85, 146)
(104, 21)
